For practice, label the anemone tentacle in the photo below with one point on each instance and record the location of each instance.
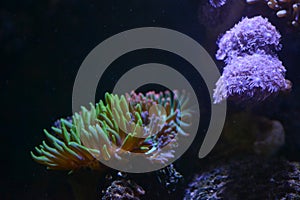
(108, 130)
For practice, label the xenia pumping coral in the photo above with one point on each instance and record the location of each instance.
(251, 77)
(289, 9)
(253, 71)
(251, 35)
(112, 130)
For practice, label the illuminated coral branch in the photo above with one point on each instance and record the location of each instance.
(133, 123)
(289, 9)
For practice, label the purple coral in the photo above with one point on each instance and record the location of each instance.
(254, 77)
(251, 35)
(217, 3)
(253, 71)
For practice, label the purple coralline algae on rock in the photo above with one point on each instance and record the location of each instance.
(253, 71)
(247, 178)
(123, 190)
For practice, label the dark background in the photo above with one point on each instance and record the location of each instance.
(43, 43)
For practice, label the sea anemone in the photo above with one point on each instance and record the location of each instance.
(134, 123)
(289, 9)
(66, 151)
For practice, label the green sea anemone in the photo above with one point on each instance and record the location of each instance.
(134, 123)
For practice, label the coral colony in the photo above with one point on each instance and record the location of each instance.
(289, 9)
(253, 71)
(111, 130)
(251, 35)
